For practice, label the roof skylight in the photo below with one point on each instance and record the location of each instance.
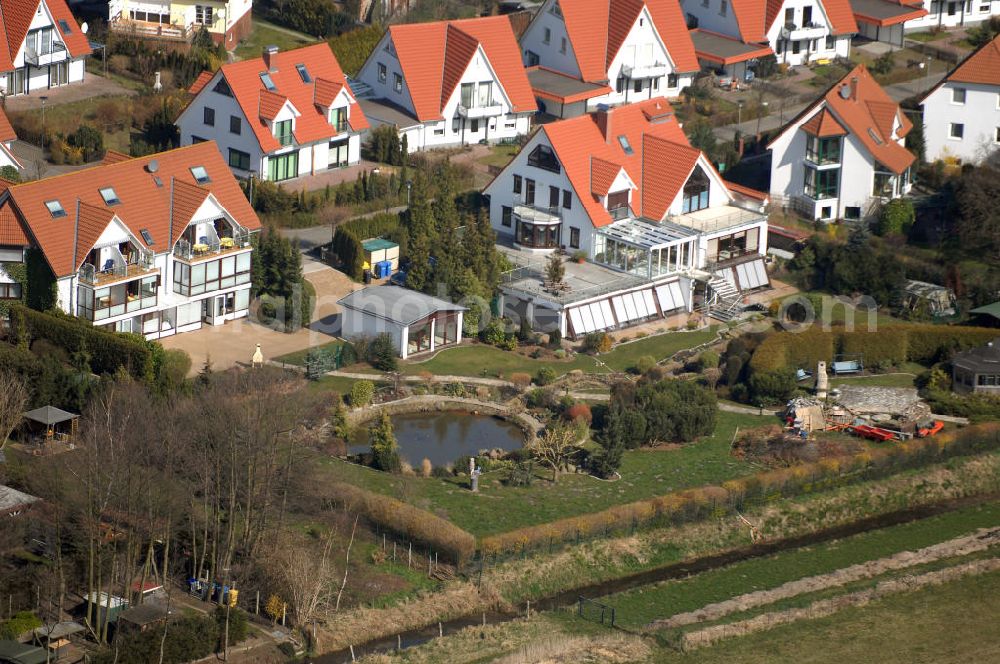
(146, 237)
(265, 78)
(64, 26)
(109, 196)
(304, 73)
(55, 209)
(626, 146)
(874, 136)
(200, 174)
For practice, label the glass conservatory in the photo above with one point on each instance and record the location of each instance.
(646, 248)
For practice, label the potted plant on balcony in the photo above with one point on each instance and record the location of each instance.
(579, 256)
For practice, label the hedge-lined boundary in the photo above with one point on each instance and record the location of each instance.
(413, 523)
(108, 351)
(892, 344)
(716, 501)
(348, 237)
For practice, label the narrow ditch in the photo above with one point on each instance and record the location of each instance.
(414, 637)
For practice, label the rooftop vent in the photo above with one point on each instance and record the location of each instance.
(153, 166)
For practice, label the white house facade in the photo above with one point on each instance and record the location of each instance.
(797, 31)
(448, 83)
(155, 246)
(226, 21)
(649, 212)
(843, 156)
(617, 52)
(962, 113)
(47, 51)
(954, 13)
(278, 117)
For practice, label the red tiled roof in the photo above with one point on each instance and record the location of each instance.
(326, 91)
(11, 232)
(16, 17)
(113, 157)
(602, 175)
(824, 124)
(433, 57)
(660, 161)
(597, 29)
(271, 104)
(144, 204)
(200, 82)
(983, 66)
(313, 122)
(869, 114)
(750, 19)
(747, 191)
(7, 132)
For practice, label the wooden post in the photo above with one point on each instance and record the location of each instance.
(428, 564)
(383, 541)
(440, 629)
(257, 605)
(352, 653)
(484, 619)
(394, 551)
(527, 613)
(409, 557)
(399, 642)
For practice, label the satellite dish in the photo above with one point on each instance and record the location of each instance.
(153, 166)
(845, 91)
(84, 27)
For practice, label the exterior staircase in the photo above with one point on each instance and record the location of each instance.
(726, 303)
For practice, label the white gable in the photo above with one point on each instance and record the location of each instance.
(643, 46)
(114, 234)
(622, 181)
(210, 209)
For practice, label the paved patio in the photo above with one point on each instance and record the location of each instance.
(92, 85)
(332, 177)
(234, 343)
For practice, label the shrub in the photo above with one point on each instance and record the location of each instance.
(645, 363)
(667, 411)
(555, 338)
(579, 412)
(597, 342)
(605, 462)
(896, 217)
(773, 386)
(18, 624)
(708, 359)
(382, 353)
(89, 141)
(408, 521)
(362, 393)
(494, 333)
(545, 376)
(521, 380)
(239, 624)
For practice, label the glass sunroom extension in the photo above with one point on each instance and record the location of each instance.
(645, 248)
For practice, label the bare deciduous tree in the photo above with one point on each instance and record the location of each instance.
(13, 399)
(555, 448)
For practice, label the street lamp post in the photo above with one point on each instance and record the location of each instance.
(759, 114)
(409, 185)
(253, 172)
(739, 112)
(929, 59)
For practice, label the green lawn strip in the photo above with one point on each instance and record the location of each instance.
(953, 623)
(637, 608)
(805, 599)
(266, 34)
(498, 508)
(499, 155)
(298, 357)
(876, 380)
(334, 384)
(482, 360)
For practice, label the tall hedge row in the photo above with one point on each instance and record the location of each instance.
(348, 237)
(892, 344)
(441, 536)
(108, 351)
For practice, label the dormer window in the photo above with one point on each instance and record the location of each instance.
(283, 132)
(109, 196)
(200, 175)
(55, 209)
(543, 157)
(338, 118)
(696, 191)
(618, 204)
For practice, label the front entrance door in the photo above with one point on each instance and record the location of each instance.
(337, 155)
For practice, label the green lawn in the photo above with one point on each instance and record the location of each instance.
(639, 607)
(498, 508)
(481, 360)
(66, 118)
(267, 34)
(926, 36)
(500, 155)
(877, 380)
(298, 357)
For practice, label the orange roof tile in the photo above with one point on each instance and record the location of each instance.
(7, 132)
(200, 82)
(597, 29)
(658, 161)
(983, 66)
(76, 41)
(16, 17)
(750, 19)
(756, 17)
(433, 57)
(869, 114)
(144, 203)
(747, 191)
(326, 92)
(271, 104)
(313, 123)
(113, 157)
(824, 124)
(11, 231)
(841, 16)
(602, 175)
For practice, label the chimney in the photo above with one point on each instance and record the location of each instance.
(269, 53)
(854, 88)
(603, 119)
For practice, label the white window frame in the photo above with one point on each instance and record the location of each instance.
(961, 131)
(955, 93)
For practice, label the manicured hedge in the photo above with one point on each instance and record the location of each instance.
(891, 344)
(108, 351)
(348, 237)
(441, 536)
(715, 501)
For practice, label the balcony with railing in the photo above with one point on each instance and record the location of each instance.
(56, 53)
(810, 30)
(211, 246)
(104, 302)
(719, 218)
(649, 70)
(473, 112)
(117, 268)
(532, 213)
(165, 31)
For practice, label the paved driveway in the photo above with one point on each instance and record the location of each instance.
(92, 85)
(234, 343)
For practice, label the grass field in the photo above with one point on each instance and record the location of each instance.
(498, 508)
(637, 608)
(267, 34)
(876, 380)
